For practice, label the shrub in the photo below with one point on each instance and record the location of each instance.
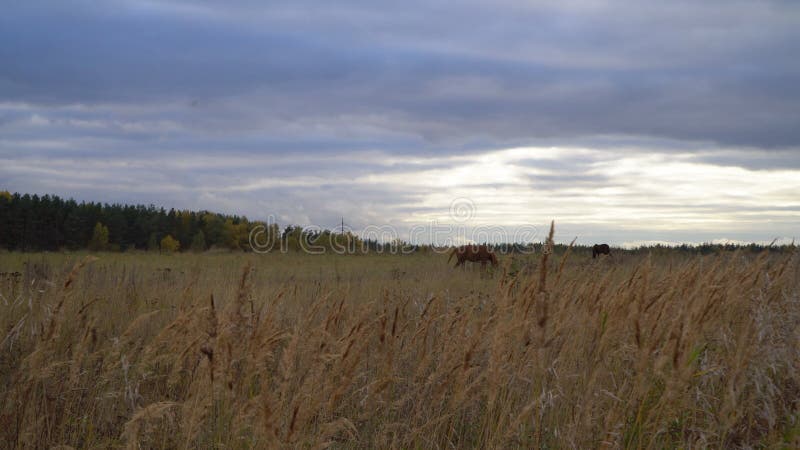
(170, 244)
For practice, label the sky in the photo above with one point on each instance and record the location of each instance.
(626, 122)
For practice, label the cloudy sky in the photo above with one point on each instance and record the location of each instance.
(625, 121)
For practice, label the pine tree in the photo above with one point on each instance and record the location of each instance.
(199, 242)
(152, 242)
(74, 226)
(5, 219)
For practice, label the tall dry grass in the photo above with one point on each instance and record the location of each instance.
(690, 352)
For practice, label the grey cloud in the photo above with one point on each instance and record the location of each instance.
(187, 104)
(752, 159)
(449, 77)
(562, 165)
(564, 180)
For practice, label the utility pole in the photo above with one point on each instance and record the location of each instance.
(342, 225)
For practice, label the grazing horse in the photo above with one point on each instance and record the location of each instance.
(474, 253)
(600, 249)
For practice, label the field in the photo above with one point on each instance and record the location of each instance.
(385, 351)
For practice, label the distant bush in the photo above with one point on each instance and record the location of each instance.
(99, 239)
(169, 244)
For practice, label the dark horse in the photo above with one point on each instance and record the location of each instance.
(474, 253)
(600, 249)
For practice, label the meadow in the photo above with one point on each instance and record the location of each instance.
(550, 350)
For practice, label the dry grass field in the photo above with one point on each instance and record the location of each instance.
(384, 351)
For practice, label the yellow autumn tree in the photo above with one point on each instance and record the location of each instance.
(99, 239)
(236, 236)
(169, 244)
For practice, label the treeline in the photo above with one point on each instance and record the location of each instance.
(709, 248)
(48, 222)
(660, 249)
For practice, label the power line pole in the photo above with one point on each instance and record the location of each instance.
(342, 225)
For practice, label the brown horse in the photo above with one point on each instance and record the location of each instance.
(473, 253)
(600, 249)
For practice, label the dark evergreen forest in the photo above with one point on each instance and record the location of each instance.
(48, 222)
